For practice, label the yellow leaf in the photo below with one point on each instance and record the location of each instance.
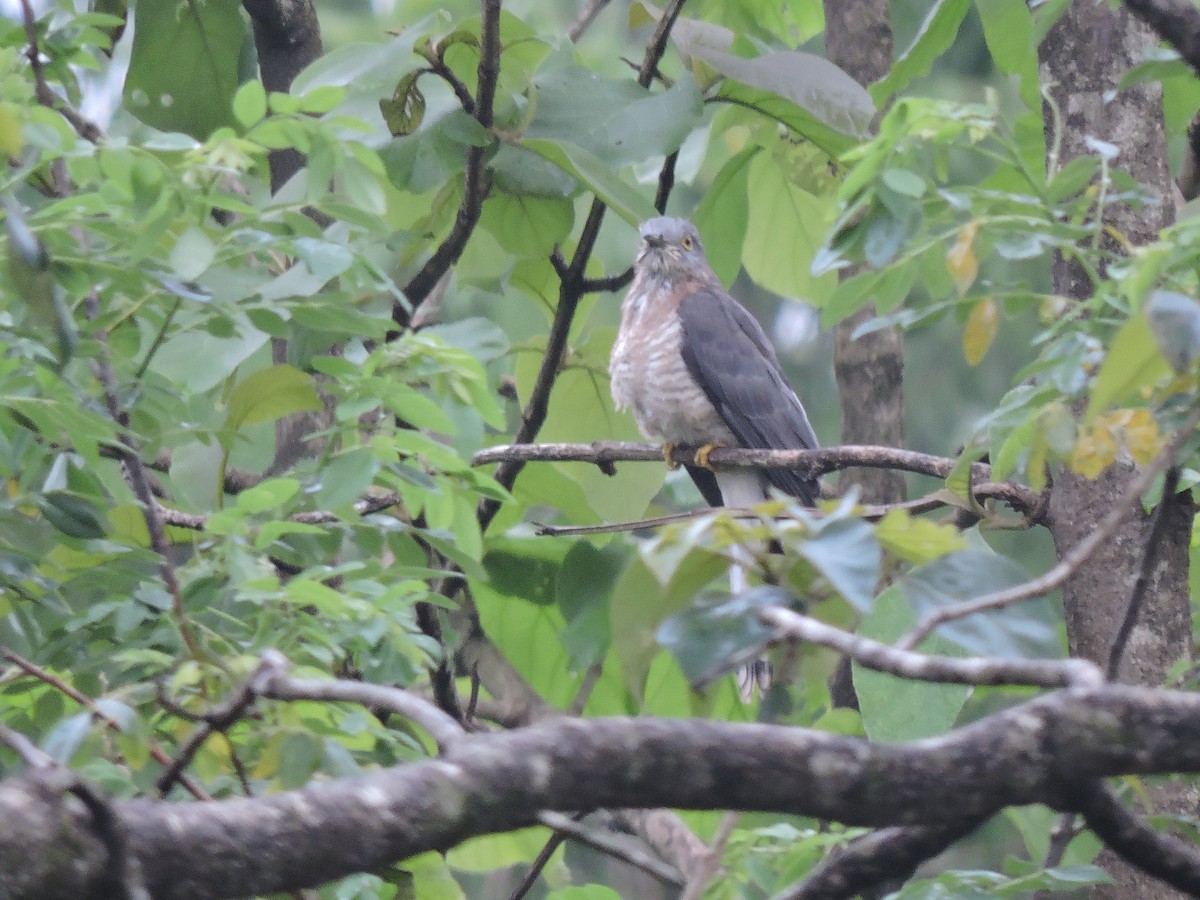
(960, 259)
(1141, 435)
(917, 540)
(980, 331)
(1095, 450)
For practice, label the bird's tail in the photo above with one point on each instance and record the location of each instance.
(753, 678)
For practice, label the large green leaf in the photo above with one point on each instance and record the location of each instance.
(270, 394)
(846, 552)
(183, 71)
(617, 193)
(807, 93)
(711, 636)
(937, 33)
(723, 216)
(901, 709)
(1023, 630)
(784, 232)
(620, 122)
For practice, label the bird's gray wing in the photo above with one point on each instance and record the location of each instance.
(730, 358)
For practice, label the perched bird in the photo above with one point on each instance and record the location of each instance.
(696, 368)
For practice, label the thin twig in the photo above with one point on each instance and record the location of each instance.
(1150, 555)
(1076, 557)
(812, 463)
(31, 755)
(618, 850)
(1050, 673)
(539, 863)
(85, 128)
(35, 671)
(711, 864)
(586, 16)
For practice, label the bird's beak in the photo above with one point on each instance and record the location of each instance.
(654, 241)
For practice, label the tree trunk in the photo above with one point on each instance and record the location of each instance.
(870, 370)
(1082, 58)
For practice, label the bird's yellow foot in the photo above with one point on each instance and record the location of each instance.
(668, 452)
(701, 458)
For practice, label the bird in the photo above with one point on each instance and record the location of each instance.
(695, 368)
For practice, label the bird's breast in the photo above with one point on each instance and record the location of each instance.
(650, 377)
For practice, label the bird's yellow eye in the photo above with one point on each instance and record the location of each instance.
(686, 243)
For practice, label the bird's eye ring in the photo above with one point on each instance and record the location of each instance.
(686, 243)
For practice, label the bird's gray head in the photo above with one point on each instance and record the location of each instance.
(671, 249)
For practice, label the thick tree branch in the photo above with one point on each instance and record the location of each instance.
(1175, 861)
(500, 781)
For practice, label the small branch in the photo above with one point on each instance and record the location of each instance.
(567, 826)
(813, 463)
(607, 284)
(1078, 555)
(219, 718)
(86, 129)
(1150, 554)
(475, 180)
(35, 671)
(710, 865)
(31, 755)
(365, 507)
(658, 46)
(539, 863)
(874, 859)
(586, 16)
(1050, 673)
(1175, 861)
(444, 730)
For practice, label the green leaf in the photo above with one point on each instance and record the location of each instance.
(714, 634)
(621, 122)
(193, 253)
(785, 229)
(267, 495)
(250, 103)
(73, 514)
(1024, 630)
(937, 33)
(527, 226)
(404, 111)
(901, 709)
(724, 214)
(846, 552)
(183, 70)
(270, 394)
(1133, 362)
(915, 539)
(618, 194)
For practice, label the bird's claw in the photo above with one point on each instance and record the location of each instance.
(668, 452)
(701, 458)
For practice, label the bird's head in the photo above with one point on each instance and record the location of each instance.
(671, 249)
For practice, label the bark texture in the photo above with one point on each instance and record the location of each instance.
(1045, 751)
(870, 370)
(1082, 58)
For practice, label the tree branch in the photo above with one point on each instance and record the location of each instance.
(813, 463)
(475, 181)
(887, 854)
(492, 782)
(1175, 861)
(792, 627)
